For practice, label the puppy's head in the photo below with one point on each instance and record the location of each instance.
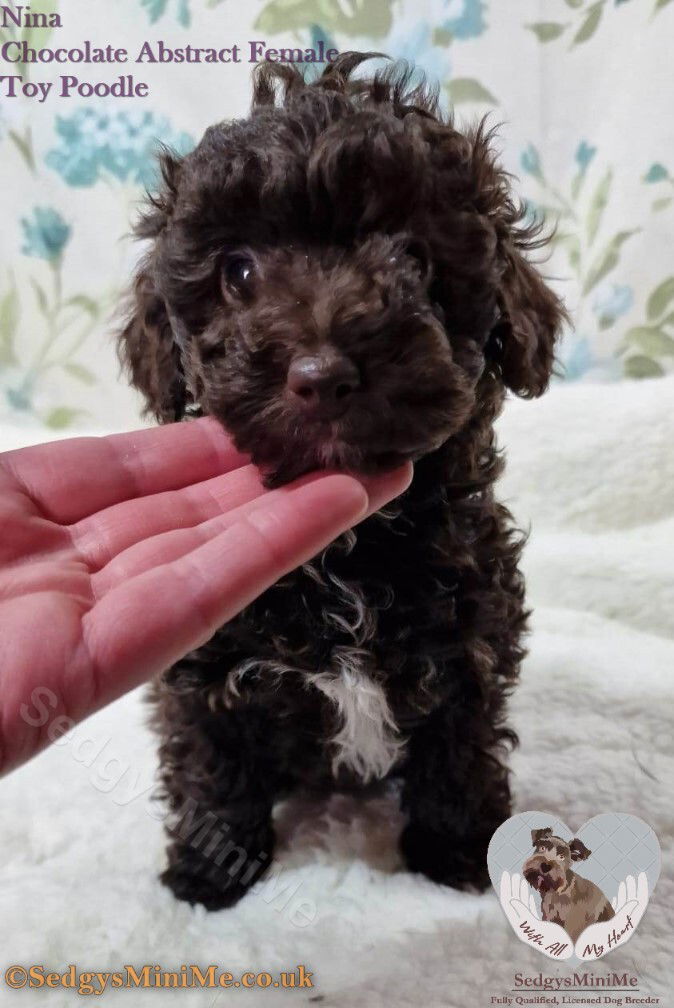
(549, 867)
(341, 278)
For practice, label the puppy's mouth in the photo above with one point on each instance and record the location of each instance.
(287, 450)
(333, 454)
(338, 453)
(542, 882)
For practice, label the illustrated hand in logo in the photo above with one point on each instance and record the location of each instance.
(518, 904)
(629, 906)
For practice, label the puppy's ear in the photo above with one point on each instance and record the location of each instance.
(540, 834)
(579, 851)
(522, 342)
(146, 346)
(148, 352)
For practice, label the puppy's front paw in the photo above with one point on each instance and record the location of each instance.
(444, 859)
(193, 888)
(195, 879)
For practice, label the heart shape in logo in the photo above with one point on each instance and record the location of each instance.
(574, 896)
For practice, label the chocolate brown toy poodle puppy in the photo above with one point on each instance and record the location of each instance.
(342, 279)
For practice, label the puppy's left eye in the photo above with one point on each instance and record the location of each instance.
(238, 275)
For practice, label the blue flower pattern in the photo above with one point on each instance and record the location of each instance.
(465, 18)
(414, 43)
(584, 155)
(46, 234)
(612, 302)
(656, 173)
(99, 143)
(157, 8)
(531, 162)
(576, 358)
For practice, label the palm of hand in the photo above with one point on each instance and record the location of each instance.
(121, 554)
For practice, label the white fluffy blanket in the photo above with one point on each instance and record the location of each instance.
(591, 468)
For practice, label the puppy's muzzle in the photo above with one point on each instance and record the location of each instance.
(543, 875)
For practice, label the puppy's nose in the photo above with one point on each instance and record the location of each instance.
(545, 867)
(323, 384)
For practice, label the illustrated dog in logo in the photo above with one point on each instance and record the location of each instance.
(567, 899)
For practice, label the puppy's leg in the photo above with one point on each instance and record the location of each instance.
(219, 777)
(456, 789)
(455, 793)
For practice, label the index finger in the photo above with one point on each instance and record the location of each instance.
(168, 610)
(68, 480)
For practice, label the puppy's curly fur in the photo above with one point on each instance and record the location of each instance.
(347, 217)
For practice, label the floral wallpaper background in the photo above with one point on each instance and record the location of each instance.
(582, 89)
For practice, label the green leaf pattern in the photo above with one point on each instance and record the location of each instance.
(593, 257)
(347, 17)
(467, 89)
(547, 31)
(589, 18)
(648, 347)
(590, 22)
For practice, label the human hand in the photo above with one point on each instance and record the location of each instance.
(121, 554)
(518, 903)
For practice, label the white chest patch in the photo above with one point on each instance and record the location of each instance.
(367, 741)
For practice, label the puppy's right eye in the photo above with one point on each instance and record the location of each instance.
(238, 276)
